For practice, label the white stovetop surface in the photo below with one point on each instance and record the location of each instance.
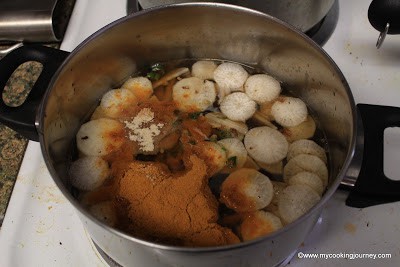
(42, 229)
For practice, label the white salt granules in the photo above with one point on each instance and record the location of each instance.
(142, 130)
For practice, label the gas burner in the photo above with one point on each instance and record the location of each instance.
(321, 32)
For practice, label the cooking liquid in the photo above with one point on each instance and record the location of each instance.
(227, 217)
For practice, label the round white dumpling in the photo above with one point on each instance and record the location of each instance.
(118, 103)
(308, 178)
(215, 154)
(258, 224)
(238, 106)
(262, 88)
(230, 76)
(236, 153)
(204, 69)
(307, 163)
(194, 94)
(296, 200)
(246, 190)
(105, 212)
(266, 145)
(140, 86)
(100, 137)
(289, 111)
(305, 146)
(88, 173)
(304, 130)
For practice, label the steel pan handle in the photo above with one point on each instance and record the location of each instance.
(372, 186)
(22, 118)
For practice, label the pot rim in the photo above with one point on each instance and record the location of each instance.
(327, 195)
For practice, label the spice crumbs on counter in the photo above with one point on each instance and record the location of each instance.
(350, 228)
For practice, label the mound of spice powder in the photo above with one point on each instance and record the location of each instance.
(177, 209)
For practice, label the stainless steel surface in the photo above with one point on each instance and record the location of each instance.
(382, 36)
(322, 31)
(8, 49)
(108, 259)
(32, 21)
(350, 179)
(301, 14)
(215, 31)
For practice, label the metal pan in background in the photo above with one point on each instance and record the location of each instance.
(34, 21)
(301, 14)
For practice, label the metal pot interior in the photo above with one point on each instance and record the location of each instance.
(195, 31)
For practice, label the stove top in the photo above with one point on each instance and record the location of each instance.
(42, 229)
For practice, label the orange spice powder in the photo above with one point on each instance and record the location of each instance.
(177, 209)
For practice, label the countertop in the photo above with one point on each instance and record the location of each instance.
(12, 144)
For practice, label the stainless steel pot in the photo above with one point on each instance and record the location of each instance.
(73, 84)
(301, 14)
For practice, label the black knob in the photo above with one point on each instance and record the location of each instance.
(381, 12)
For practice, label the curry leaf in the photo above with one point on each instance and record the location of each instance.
(231, 162)
(156, 72)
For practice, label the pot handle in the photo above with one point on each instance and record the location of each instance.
(372, 186)
(22, 118)
(384, 17)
